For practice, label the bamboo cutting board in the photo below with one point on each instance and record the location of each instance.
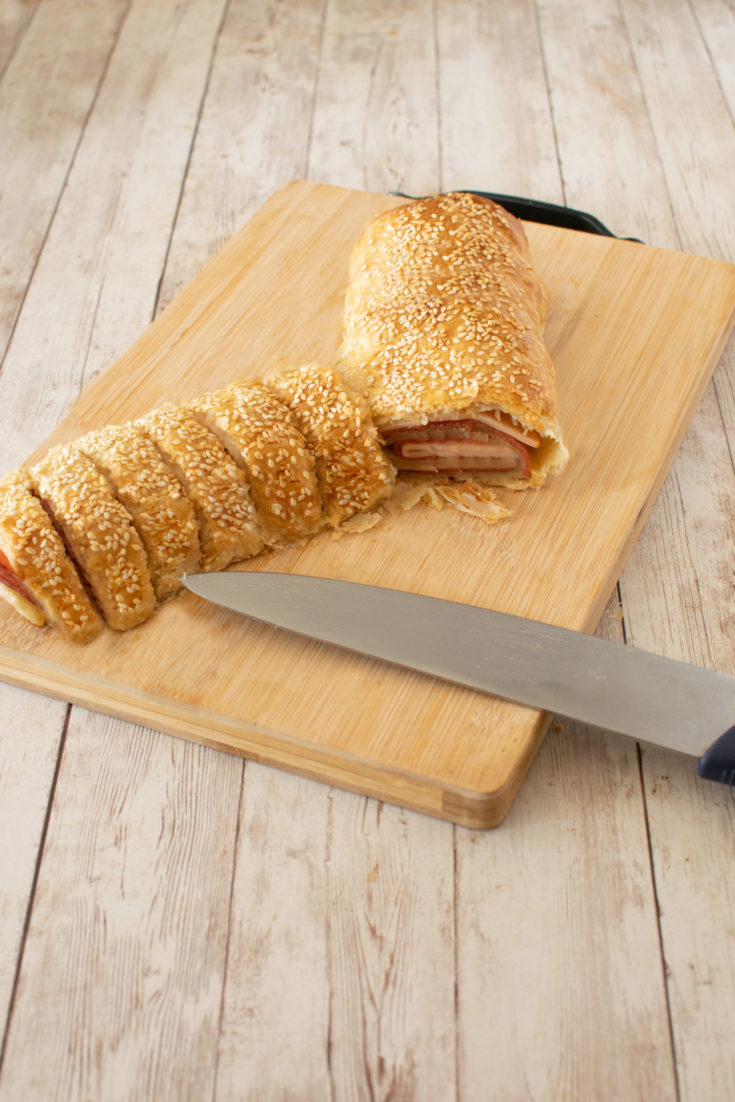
(635, 333)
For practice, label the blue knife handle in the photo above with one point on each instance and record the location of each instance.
(717, 763)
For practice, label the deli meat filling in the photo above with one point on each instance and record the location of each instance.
(10, 580)
(480, 443)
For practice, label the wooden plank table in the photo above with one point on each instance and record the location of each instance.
(177, 923)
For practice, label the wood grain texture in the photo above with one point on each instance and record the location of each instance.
(511, 1043)
(342, 991)
(109, 246)
(693, 856)
(716, 24)
(691, 169)
(592, 940)
(263, 75)
(119, 161)
(596, 960)
(374, 118)
(42, 123)
(122, 978)
(244, 299)
(686, 605)
(379, 978)
(598, 103)
(630, 94)
(29, 749)
(15, 18)
(492, 139)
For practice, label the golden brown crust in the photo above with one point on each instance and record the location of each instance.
(354, 474)
(39, 559)
(162, 513)
(256, 427)
(99, 534)
(214, 483)
(444, 313)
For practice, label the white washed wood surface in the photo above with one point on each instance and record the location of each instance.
(178, 924)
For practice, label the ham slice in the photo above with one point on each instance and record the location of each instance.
(458, 445)
(18, 595)
(10, 580)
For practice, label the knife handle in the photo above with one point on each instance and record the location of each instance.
(717, 763)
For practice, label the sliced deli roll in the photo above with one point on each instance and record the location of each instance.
(161, 512)
(443, 334)
(354, 475)
(256, 428)
(443, 374)
(37, 576)
(98, 533)
(214, 483)
(100, 530)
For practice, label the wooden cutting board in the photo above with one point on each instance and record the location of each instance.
(635, 333)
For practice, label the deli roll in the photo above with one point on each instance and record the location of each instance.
(353, 473)
(98, 533)
(37, 576)
(443, 335)
(212, 481)
(256, 428)
(147, 487)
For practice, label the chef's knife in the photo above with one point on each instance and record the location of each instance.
(608, 684)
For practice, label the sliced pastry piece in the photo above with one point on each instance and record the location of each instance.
(154, 497)
(37, 577)
(353, 472)
(443, 334)
(257, 428)
(214, 484)
(99, 535)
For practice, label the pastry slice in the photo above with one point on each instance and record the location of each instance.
(214, 484)
(99, 534)
(443, 334)
(256, 428)
(353, 472)
(145, 484)
(37, 577)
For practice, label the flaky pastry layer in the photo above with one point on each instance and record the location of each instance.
(214, 483)
(256, 427)
(444, 314)
(38, 558)
(99, 533)
(353, 472)
(160, 510)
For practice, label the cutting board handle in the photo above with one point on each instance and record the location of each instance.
(536, 210)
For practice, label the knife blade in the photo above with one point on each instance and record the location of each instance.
(601, 682)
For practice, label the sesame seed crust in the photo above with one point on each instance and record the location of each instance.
(38, 557)
(257, 428)
(445, 313)
(354, 474)
(214, 484)
(99, 533)
(161, 512)
(443, 317)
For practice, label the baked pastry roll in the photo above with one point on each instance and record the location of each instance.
(257, 430)
(99, 534)
(213, 482)
(353, 473)
(37, 576)
(443, 334)
(160, 510)
(102, 529)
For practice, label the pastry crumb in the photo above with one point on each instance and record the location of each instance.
(473, 498)
(359, 523)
